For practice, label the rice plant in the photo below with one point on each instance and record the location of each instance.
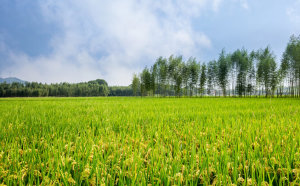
(149, 141)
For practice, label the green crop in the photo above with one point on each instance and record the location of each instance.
(157, 141)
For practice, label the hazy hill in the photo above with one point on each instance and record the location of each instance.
(11, 80)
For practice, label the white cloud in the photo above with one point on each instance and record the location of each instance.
(216, 4)
(244, 4)
(112, 39)
(54, 68)
(294, 14)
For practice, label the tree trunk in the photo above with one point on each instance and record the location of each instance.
(299, 87)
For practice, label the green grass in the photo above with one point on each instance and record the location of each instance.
(156, 141)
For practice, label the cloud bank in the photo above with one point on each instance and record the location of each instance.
(294, 15)
(111, 39)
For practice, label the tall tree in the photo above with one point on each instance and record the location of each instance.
(162, 75)
(212, 73)
(175, 73)
(203, 77)
(223, 71)
(154, 78)
(266, 71)
(251, 74)
(135, 84)
(241, 62)
(290, 64)
(145, 82)
(194, 75)
(186, 77)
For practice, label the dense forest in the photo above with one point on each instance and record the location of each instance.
(120, 91)
(97, 87)
(240, 73)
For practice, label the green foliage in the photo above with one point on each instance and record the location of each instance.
(212, 74)
(145, 82)
(266, 71)
(223, 71)
(290, 65)
(203, 78)
(120, 91)
(238, 73)
(92, 88)
(194, 69)
(135, 85)
(175, 73)
(133, 141)
(241, 60)
(162, 75)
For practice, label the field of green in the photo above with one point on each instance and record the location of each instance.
(142, 141)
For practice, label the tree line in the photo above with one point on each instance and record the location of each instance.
(240, 73)
(120, 91)
(97, 87)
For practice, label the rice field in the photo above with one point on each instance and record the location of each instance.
(149, 141)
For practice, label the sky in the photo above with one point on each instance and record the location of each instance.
(72, 41)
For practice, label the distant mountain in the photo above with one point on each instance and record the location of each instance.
(11, 80)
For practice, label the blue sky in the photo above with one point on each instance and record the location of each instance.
(73, 40)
